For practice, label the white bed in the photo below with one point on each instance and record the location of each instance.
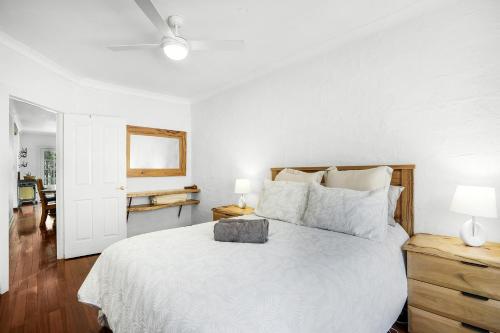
(302, 280)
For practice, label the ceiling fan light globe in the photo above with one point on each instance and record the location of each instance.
(176, 49)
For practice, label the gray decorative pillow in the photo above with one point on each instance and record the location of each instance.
(394, 193)
(357, 213)
(285, 201)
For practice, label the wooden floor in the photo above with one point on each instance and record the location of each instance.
(42, 296)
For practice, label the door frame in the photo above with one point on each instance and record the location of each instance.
(59, 172)
(60, 186)
(4, 260)
(5, 97)
(4, 196)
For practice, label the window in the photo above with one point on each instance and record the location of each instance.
(48, 166)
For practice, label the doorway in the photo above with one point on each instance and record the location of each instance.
(32, 187)
(73, 159)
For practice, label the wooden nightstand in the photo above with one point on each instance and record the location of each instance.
(225, 212)
(452, 287)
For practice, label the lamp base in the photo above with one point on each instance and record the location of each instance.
(242, 203)
(472, 233)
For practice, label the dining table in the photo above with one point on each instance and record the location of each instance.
(50, 192)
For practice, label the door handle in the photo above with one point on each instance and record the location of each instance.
(482, 298)
(121, 188)
(474, 264)
(474, 328)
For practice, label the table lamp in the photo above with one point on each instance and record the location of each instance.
(476, 201)
(242, 186)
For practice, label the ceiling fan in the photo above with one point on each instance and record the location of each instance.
(174, 46)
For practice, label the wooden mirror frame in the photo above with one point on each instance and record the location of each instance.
(180, 171)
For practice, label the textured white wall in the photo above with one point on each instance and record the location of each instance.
(424, 92)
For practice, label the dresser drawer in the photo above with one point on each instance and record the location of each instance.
(425, 322)
(467, 308)
(476, 279)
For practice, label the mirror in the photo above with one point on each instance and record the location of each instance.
(153, 152)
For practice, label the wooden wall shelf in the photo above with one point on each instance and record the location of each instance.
(150, 207)
(160, 192)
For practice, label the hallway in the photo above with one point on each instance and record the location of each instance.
(42, 296)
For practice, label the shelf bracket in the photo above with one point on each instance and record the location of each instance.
(129, 204)
(179, 213)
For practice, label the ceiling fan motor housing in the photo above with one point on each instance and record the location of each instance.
(174, 41)
(175, 22)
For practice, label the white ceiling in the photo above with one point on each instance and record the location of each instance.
(74, 35)
(32, 118)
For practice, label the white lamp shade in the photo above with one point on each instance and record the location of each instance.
(475, 201)
(242, 186)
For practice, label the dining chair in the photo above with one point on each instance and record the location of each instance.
(48, 207)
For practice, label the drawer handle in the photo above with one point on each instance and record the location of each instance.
(474, 264)
(482, 298)
(474, 328)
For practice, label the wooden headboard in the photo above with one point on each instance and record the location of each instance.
(401, 176)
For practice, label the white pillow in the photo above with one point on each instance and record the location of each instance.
(357, 213)
(293, 175)
(360, 180)
(393, 196)
(285, 201)
(364, 180)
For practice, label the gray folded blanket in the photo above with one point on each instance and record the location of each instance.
(241, 231)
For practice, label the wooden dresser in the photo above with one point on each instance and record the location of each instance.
(225, 212)
(452, 287)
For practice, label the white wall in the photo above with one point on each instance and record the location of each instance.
(26, 75)
(5, 166)
(13, 163)
(425, 92)
(34, 142)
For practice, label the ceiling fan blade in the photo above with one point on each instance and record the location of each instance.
(154, 16)
(221, 45)
(133, 47)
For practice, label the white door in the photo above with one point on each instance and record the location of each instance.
(94, 183)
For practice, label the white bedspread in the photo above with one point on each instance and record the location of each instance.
(301, 280)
